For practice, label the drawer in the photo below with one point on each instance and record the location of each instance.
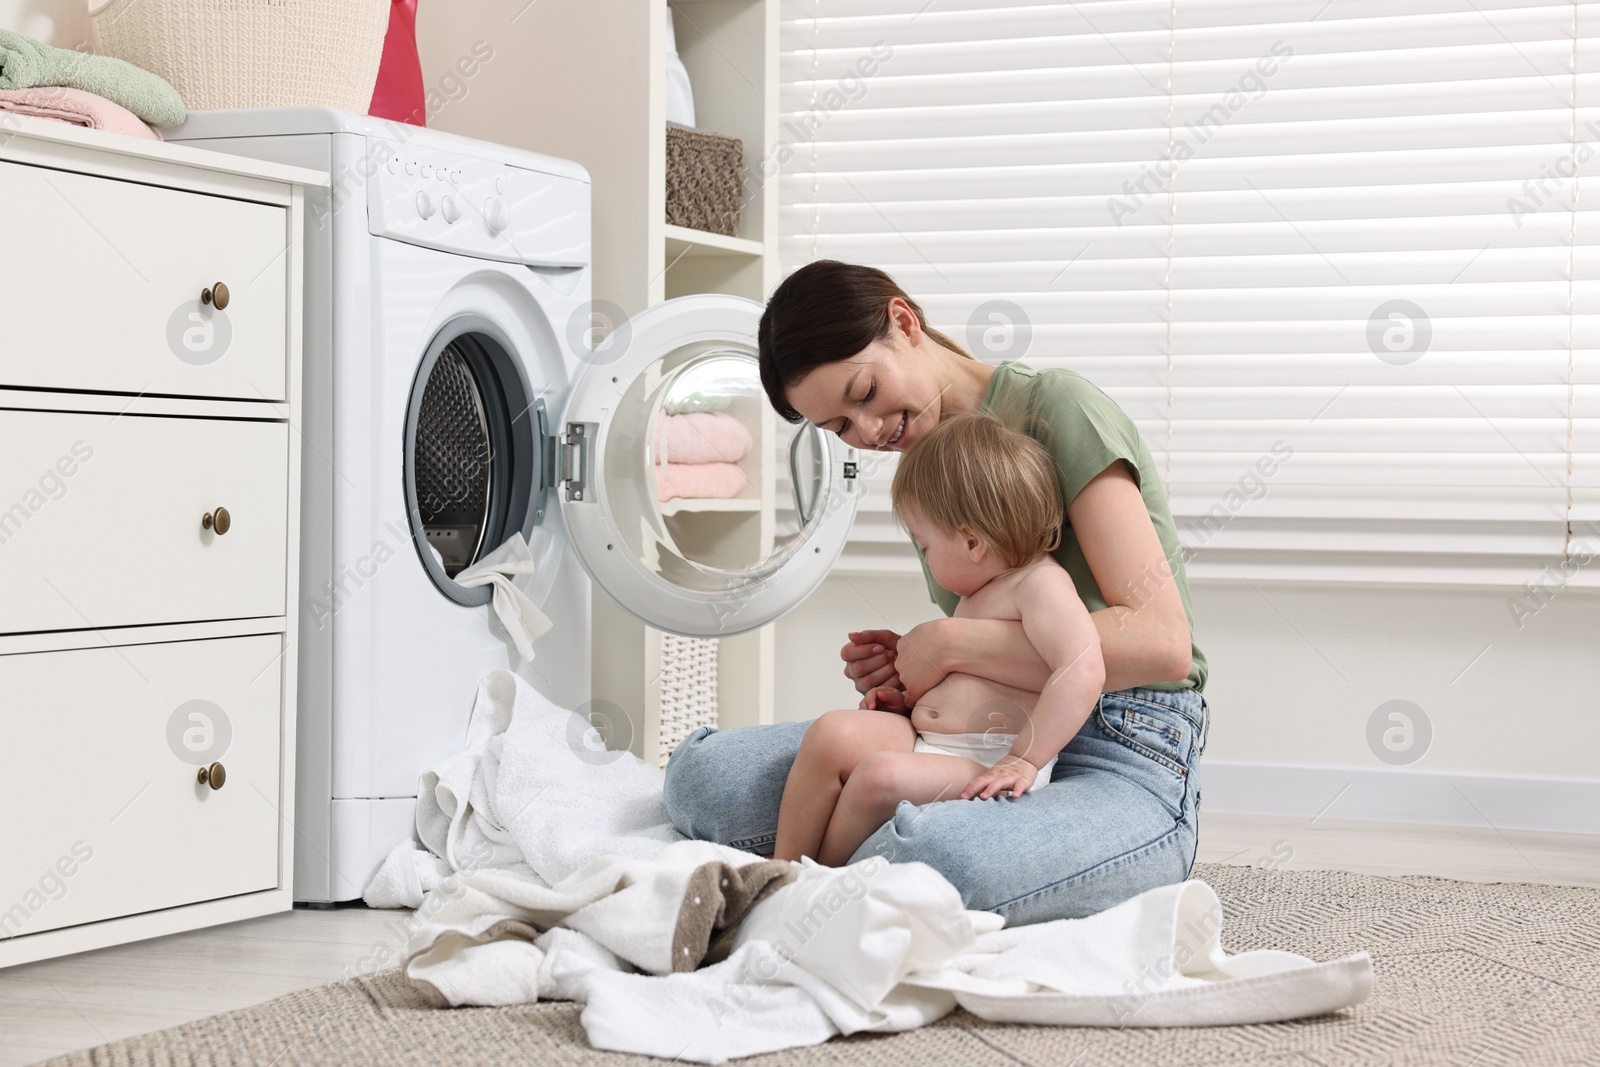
(101, 519)
(99, 768)
(103, 280)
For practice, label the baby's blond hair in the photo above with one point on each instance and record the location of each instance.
(973, 473)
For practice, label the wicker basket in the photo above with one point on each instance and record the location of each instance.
(251, 53)
(688, 688)
(705, 173)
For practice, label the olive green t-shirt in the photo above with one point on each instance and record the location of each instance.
(1085, 432)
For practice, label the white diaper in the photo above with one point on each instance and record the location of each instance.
(987, 749)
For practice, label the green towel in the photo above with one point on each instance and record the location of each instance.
(25, 63)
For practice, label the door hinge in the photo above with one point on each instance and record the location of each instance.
(564, 461)
(577, 453)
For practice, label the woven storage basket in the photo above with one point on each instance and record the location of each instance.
(705, 174)
(688, 688)
(251, 53)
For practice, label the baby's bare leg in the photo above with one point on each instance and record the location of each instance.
(829, 753)
(880, 781)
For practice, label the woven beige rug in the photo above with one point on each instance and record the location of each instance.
(1469, 975)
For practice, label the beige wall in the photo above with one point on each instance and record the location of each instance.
(1299, 687)
(1290, 688)
(63, 23)
(1296, 671)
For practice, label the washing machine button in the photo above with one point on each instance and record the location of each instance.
(394, 165)
(448, 208)
(411, 167)
(425, 205)
(494, 215)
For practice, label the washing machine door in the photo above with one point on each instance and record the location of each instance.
(688, 500)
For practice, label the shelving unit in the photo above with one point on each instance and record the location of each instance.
(682, 241)
(681, 506)
(613, 53)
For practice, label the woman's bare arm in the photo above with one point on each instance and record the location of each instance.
(1144, 631)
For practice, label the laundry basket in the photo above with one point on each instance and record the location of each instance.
(705, 176)
(688, 688)
(251, 53)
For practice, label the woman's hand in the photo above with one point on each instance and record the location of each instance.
(917, 659)
(869, 659)
(886, 698)
(1012, 773)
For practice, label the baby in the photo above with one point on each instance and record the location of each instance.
(983, 503)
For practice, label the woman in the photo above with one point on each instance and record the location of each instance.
(845, 348)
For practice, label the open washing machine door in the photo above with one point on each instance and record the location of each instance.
(686, 498)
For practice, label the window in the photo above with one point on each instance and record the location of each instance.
(1360, 236)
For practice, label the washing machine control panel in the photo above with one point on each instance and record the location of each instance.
(476, 207)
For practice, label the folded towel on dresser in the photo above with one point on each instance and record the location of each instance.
(702, 437)
(26, 63)
(702, 481)
(65, 104)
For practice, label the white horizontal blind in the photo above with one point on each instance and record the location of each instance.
(1585, 452)
(1363, 253)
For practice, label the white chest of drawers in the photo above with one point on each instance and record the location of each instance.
(149, 531)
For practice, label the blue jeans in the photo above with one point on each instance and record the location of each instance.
(1118, 818)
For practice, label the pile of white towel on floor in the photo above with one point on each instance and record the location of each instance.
(552, 872)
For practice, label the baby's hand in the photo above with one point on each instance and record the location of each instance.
(885, 698)
(1012, 773)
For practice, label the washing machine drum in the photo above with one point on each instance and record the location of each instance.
(683, 495)
(472, 455)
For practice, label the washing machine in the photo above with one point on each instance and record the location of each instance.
(457, 393)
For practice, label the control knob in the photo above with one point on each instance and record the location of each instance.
(494, 214)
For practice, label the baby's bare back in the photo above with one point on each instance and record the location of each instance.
(967, 703)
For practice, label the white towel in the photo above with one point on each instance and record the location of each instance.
(887, 947)
(477, 944)
(571, 878)
(456, 815)
(711, 1015)
(522, 619)
(535, 794)
(406, 875)
(1155, 960)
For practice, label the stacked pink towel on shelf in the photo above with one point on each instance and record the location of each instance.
(699, 481)
(698, 454)
(65, 104)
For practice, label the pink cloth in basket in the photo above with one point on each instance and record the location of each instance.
(713, 481)
(702, 437)
(66, 104)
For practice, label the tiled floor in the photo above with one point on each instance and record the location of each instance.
(57, 1005)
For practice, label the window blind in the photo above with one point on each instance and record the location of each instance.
(1339, 261)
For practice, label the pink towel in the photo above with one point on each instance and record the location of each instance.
(701, 481)
(65, 104)
(702, 437)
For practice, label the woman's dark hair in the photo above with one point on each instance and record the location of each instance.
(824, 312)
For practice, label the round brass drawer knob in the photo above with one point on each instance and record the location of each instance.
(216, 295)
(218, 520)
(214, 775)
